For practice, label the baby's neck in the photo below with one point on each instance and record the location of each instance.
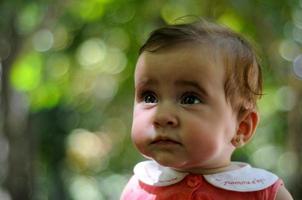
(206, 171)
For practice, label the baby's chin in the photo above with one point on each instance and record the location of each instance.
(175, 164)
(180, 166)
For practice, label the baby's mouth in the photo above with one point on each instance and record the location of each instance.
(165, 141)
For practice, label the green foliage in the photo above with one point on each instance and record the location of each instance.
(75, 63)
(26, 72)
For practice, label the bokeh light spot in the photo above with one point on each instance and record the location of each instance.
(43, 40)
(115, 61)
(91, 53)
(88, 151)
(85, 188)
(266, 157)
(26, 72)
(285, 98)
(297, 66)
(62, 38)
(289, 50)
(28, 18)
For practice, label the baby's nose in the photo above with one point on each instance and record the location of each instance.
(165, 116)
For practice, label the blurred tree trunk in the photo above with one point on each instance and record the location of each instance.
(18, 180)
(295, 139)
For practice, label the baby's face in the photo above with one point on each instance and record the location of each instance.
(181, 117)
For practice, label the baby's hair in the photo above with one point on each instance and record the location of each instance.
(243, 78)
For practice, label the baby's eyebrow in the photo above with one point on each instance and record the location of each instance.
(193, 84)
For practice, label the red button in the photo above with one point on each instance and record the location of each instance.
(193, 181)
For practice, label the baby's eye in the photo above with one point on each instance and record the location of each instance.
(149, 98)
(190, 99)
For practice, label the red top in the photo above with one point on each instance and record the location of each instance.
(193, 187)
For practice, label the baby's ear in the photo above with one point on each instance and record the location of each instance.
(247, 124)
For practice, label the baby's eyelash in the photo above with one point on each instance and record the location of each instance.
(143, 93)
(190, 98)
(148, 97)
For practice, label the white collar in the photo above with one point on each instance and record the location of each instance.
(244, 179)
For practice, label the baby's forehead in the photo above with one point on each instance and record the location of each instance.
(185, 63)
(198, 55)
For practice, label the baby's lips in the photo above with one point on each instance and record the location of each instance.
(164, 140)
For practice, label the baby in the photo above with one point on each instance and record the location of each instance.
(196, 88)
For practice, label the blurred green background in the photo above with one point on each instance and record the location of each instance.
(67, 92)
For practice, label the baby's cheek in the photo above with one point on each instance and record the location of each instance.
(205, 151)
(139, 139)
(202, 146)
(136, 128)
(136, 137)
